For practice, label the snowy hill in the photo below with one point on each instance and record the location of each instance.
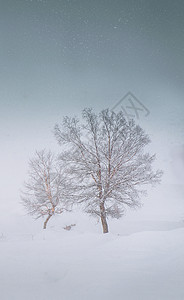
(76, 266)
(140, 259)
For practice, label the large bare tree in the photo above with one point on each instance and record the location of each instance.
(106, 161)
(45, 191)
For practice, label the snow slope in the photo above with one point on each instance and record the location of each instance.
(139, 260)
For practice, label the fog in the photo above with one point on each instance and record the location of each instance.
(58, 57)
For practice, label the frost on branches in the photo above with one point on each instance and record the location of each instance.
(106, 163)
(45, 192)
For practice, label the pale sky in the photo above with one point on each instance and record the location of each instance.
(58, 57)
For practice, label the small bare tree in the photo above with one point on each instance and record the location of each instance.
(44, 193)
(105, 159)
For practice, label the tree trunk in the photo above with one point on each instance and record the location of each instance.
(46, 221)
(103, 218)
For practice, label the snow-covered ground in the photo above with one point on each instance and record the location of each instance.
(140, 259)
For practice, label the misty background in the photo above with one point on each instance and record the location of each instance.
(58, 57)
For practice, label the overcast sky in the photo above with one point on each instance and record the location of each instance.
(59, 56)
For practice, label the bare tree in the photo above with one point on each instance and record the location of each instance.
(106, 161)
(44, 193)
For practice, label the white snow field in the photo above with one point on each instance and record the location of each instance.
(140, 259)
